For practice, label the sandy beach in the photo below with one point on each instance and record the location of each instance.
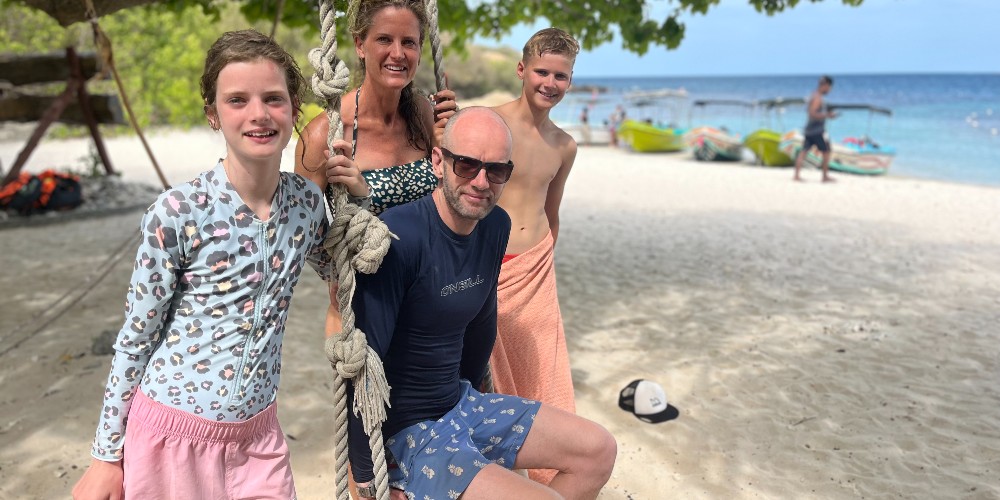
(832, 341)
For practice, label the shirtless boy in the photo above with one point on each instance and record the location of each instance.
(530, 357)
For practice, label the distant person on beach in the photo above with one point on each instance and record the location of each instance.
(189, 410)
(585, 125)
(392, 126)
(616, 119)
(813, 135)
(530, 358)
(430, 314)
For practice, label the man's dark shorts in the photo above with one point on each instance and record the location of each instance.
(815, 140)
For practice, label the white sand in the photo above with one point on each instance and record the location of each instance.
(820, 341)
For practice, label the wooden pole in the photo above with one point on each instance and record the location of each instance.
(88, 112)
(51, 115)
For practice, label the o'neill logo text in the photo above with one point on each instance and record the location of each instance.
(461, 285)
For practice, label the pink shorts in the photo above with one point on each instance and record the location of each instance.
(170, 453)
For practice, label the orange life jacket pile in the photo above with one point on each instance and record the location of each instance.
(35, 193)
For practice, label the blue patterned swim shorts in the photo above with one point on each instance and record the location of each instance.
(439, 459)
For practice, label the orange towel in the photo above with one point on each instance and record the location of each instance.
(530, 358)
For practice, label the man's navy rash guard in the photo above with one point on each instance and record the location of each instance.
(430, 313)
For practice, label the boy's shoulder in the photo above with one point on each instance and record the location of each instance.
(552, 135)
(518, 117)
(507, 110)
(556, 132)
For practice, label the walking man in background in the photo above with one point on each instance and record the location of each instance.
(816, 128)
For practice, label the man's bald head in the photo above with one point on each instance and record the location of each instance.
(477, 123)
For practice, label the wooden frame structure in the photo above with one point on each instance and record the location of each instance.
(82, 106)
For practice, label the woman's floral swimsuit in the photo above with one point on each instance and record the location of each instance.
(399, 184)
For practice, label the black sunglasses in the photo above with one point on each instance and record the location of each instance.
(468, 168)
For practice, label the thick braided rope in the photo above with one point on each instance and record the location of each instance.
(436, 50)
(357, 241)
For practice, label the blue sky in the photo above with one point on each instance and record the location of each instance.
(880, 36)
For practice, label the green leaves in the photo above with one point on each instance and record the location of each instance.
(592, 22)
(160, 48)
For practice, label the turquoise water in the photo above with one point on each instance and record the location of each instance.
(944, 126)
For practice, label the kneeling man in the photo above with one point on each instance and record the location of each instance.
(430, 313)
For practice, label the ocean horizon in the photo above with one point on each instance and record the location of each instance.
(944, 126)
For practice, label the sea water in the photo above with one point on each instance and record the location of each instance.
(943, 126)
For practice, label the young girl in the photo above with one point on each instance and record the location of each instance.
(189, 408)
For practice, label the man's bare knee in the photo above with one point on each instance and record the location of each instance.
(597, 455)
(604, 454)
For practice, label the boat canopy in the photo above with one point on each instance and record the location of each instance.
(587, 89)
(863, 107)
(722, 102)
(648, 95)
(778, 102)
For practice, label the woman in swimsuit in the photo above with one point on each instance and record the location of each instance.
(393, 127)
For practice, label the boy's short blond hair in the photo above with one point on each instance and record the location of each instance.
(551, 41)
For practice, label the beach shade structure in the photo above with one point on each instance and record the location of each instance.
(765, 141)
(67, 12)
(74, 105)
(647, 401)
(863, 107)
(710, 143)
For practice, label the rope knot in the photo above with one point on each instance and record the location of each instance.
(347, 353)
(332, 76)
(352, 359)
(365, 238)
(369, 240)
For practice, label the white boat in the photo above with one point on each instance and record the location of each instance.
(644, 97)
